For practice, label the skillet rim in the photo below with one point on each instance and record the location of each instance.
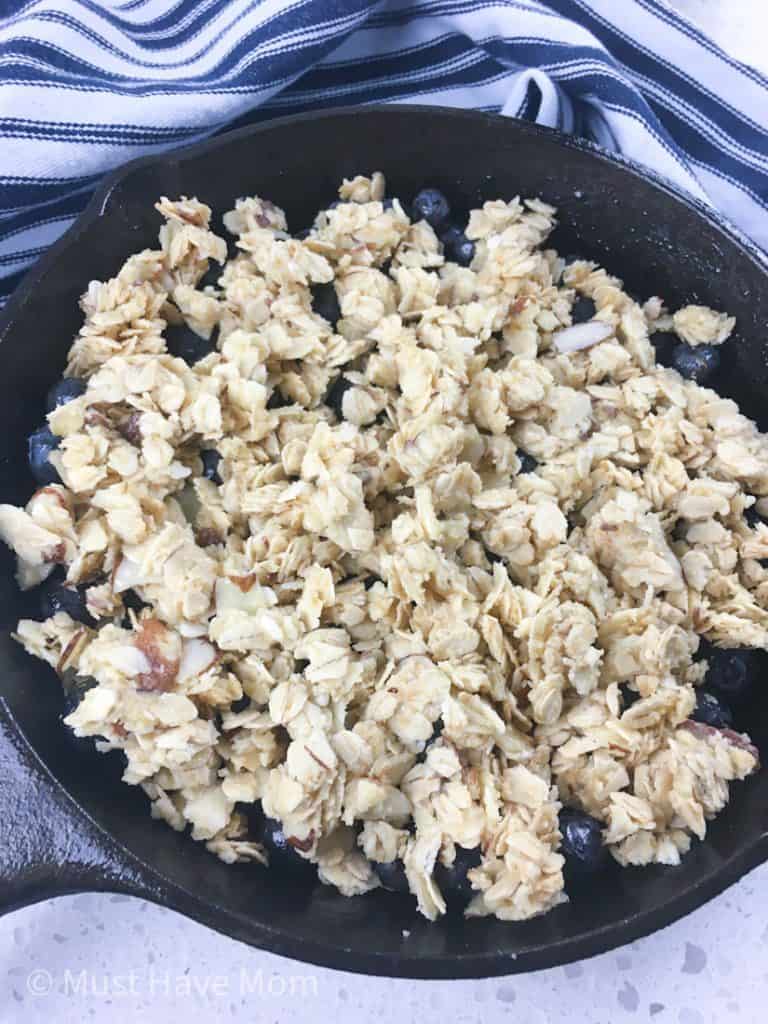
(97, 205)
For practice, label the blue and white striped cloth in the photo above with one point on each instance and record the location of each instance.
(86, 85)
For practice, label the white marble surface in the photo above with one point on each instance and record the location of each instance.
(119, 960)
(113, 959)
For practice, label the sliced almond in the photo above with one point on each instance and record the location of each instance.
(127, 575)
(162, 648)
(197, 656)
(581, 336)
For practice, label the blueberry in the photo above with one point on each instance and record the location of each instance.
(185, 344)
(211, 459)
(281, 851)
(75, 688)
(582, 842)
(63, 392)
(56, 597)
(437, 732)
(335, 394)
(40, 445)
(241, 704)
(391, 875)
(752, 516)
(131, 602)
(628, 696)
(527, 462)
(453, 880)
(388, 204)
(431, 205)
(277, 400)
(664, 343)
(210, 278)
(583, 309)
(325, 302)
(301, 235)
(697, 364)
(730, 673)
(492, 557)
(457, 246)
(711, 711)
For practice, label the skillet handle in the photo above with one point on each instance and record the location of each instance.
(48, 846)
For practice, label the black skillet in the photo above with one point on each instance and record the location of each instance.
(67, 824)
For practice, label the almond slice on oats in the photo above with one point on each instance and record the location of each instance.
(127, 575)
(162, 648)
(581, 336)
(197, 656)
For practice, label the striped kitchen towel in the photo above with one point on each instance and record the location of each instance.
(89, 84)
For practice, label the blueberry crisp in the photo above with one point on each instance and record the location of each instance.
(401, 552)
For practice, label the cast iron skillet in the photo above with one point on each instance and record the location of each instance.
(67, 824)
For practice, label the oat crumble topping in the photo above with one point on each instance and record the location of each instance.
(369, 620)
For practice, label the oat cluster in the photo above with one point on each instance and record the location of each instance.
(376, 625)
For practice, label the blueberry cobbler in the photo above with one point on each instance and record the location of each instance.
(400, 550)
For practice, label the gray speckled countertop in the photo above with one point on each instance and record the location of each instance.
(115, 959)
